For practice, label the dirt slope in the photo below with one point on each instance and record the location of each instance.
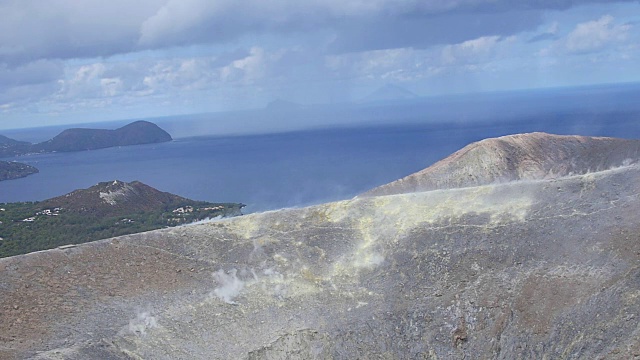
(532, 156)
(531, 269)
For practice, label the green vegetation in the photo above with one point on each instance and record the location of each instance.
(14, 170)
(136, 133)
(28, 226)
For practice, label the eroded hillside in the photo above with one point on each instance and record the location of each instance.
(529, 269)
(533, 156)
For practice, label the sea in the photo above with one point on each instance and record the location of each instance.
(295, 156)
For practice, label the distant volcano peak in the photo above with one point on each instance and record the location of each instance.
(389, 92)
(281, 104)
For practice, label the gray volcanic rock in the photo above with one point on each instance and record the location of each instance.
(530, 269)
(518, 157)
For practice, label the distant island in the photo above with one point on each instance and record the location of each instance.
(389, 93)
(10, 170)
(11, 147)
(104, 210)
(136, 133)
(79, 139)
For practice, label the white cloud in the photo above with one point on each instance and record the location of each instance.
(32, 30)
(111, 86)
(82, 82)
(64, 29)
(402, 64)
(176, 17)
(449, 68)
(210, 52)
(115, 82)
(471, 51)
(248, 69)
(596, 35)
(183, 74)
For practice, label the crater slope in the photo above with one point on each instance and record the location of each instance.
(532, 156)
(547, 268)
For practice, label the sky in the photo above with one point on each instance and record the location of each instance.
(69, 61)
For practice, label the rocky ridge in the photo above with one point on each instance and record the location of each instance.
(533, 156)
(544, 268)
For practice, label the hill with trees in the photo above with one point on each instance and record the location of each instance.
(10, 170)
(104, 210)
(79, 139)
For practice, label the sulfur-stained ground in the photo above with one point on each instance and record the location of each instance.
(530, 269)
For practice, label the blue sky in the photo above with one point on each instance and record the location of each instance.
(65, 61)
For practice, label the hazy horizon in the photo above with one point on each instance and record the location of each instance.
(284, 116)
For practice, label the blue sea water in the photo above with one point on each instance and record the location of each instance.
(262, 171)
(271, 171)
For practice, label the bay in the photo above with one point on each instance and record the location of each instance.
(375, 145)
(263, 171)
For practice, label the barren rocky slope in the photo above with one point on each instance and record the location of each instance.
(518, 157)
(531, 269)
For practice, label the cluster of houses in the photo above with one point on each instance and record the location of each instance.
(125, 221)
(189, 209)
(183, 210)
(46, 212)
(219, 207)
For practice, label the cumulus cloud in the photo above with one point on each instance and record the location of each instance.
(119, 52)
(63, 29)
(389, 64)
(470, 50)
(143, 77)
(411, 64)
(179, 74)
(249, 69)
(111, 86)
(596, 35)
(86, 81)
(550, 34)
